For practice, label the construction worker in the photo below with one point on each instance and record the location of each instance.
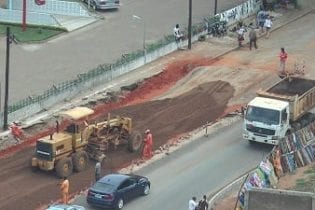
(64, 189)
(16, 131)
(148, 145)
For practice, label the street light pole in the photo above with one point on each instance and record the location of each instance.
(6, 93)
(215, 7)
(189, 23)
(144, 37)
(24, 16)
(144, 47)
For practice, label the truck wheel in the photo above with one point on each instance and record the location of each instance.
(64, 167)
(135, 141)
(80, 161)
(251, 142)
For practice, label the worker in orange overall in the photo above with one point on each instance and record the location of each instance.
(148, 145)
(64, 189)
(277, 162)
(16, 131)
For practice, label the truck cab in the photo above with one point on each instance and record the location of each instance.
(266, 120)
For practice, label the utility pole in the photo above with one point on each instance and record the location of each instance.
(6, 89)
(215, 7)
(189, 23)
(24, 16)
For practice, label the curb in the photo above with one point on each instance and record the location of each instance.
(221, 193)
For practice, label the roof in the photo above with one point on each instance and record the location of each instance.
(77, 113)
(114, 179)
(268, 103)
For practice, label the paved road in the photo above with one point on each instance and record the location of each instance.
(209, 163)
(36, 67)
(205, 164)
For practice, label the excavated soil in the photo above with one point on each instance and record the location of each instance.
(167, 118)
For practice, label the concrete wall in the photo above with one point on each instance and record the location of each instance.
(271, 199)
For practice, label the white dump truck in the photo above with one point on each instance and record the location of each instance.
(279, 110)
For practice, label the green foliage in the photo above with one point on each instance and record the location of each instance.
(306, 184)
(32, 33)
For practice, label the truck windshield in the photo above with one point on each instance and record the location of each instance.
(258, 114)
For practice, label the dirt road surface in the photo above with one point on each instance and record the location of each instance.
(175, 102)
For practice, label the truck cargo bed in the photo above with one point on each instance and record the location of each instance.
(299, 92)
(291, 86)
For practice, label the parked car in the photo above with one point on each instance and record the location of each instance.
(65, 207)
(114, 190)
(103, 4)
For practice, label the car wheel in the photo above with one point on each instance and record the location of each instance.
(120, 204)
(146, 190)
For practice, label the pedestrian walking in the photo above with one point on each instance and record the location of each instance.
(283, 58)
(64, 189)
(252, 38)
(192, 204)
(98, 168)
(148, 145)
(178, 36)
(203, 204)
(268, 25)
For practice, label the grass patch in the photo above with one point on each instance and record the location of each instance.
(306, 184)
(32, 33)
(310, 171)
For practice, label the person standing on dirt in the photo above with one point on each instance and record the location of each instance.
(283, 58)
(267, 25)
(240, 34)
(98, 168)
(192, 204)
(252, 38)
(261, 17)
(64, 189)
(203, 204)
(178, 36)
(148, 145)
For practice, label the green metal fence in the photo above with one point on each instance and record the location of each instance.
(103, 69)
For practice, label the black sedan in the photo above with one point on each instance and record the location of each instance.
(114, 190)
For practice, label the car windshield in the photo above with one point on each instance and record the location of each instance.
(258, 114)
(100, 186)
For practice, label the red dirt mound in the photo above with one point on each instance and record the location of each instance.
(171, 117)
(166, 118)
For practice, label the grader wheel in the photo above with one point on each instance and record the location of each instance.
(80, 160)
(135, 141)
(64, 167)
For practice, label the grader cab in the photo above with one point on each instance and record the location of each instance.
(71, 148)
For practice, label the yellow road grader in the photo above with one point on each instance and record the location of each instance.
(69, 150)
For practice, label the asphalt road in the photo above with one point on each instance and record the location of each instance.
(205, 165)
(36, 67)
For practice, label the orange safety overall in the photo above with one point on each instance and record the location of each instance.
(64, 188)
(148, 144)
